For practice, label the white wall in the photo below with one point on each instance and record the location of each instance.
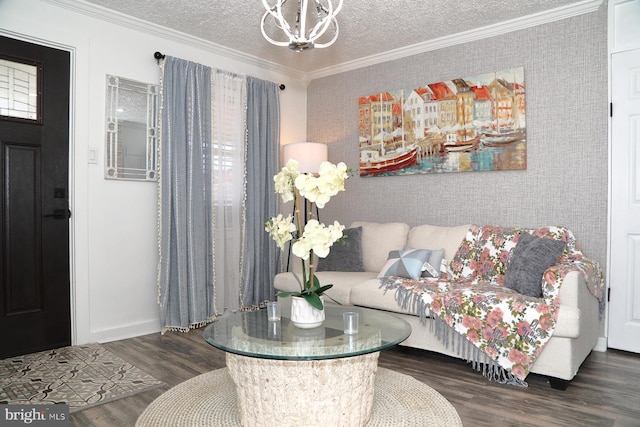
(114, 224)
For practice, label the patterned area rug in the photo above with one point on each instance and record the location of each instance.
(80, 376)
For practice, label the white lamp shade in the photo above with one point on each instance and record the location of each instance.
(308, 154)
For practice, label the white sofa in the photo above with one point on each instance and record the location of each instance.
(577, 325)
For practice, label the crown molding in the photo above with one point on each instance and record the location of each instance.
(107, 15)
(552, 15)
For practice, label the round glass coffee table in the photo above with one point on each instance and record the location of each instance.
(285, 375)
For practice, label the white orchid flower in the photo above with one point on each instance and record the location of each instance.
(281, 229)
(285, 178)
(316, 237)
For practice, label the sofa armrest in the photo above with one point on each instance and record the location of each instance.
(565, 281)
(569, 291)
(579, 312)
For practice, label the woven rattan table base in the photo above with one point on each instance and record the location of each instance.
(330, 392)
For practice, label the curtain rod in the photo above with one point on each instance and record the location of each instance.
(158, 56)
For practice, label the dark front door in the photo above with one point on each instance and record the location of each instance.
(34, 249)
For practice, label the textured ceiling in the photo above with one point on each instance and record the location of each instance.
(367, 27)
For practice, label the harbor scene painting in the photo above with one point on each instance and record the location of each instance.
(465, 124)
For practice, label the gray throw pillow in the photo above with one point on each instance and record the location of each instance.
(531, 258)
(345, 254)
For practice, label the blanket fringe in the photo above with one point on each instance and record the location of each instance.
(478, 360)
(406, 299)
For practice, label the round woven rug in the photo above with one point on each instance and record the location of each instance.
(210, 400)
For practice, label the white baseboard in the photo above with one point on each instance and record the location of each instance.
(127, 331)
(601, 345)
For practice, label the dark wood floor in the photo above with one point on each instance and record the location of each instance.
(606, 392)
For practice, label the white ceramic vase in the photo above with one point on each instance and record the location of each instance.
(304, 315)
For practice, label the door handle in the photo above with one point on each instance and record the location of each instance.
(59, 214)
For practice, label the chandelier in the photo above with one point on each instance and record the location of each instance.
(309, 25)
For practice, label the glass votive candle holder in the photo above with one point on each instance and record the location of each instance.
(273, 310)
(350, 322)
(274, 332)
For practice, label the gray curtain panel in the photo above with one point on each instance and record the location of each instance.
(260, 253)
(186, 260)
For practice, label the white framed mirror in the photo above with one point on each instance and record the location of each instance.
(131, 129)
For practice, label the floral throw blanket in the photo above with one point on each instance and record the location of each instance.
(500, 331)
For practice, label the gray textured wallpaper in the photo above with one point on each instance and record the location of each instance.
(565, 183)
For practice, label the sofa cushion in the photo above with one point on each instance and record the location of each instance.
(345, 254)
(434, 237)
(405, 263)
(378, 239)
(342, 283)
(368, 294)
(531, 257)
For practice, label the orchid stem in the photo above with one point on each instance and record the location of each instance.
(309, 214)
(301, 225)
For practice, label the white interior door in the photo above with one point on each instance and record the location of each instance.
(624, 305)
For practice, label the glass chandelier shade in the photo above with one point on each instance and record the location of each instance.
(311, 21)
